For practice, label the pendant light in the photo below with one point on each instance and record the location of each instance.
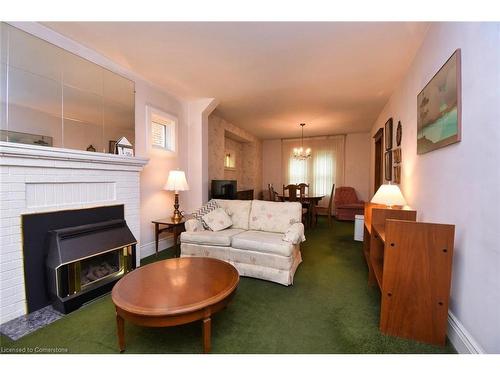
(299, 152)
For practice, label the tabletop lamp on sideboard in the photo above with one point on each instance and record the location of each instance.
(176, 182)
(390, 195)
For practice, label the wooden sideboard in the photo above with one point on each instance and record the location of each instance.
(410, 262)
(245, 195)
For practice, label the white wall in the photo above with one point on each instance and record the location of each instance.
(248, 148)
(460, 184)
(271, 165)
(236, 149)
(198, 112)
(157, 203)
(356, 162)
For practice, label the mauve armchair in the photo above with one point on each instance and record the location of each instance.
(346, 202)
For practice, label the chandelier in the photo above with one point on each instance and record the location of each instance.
(299, 152)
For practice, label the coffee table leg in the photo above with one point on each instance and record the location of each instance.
(120, 330)
(207, 347)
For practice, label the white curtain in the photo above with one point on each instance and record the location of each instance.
(324, 168)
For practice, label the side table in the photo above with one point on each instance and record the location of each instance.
(175, 227)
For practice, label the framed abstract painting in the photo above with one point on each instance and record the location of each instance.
(439, 108)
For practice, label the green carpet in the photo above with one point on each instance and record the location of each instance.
(329, 309)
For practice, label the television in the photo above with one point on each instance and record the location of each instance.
(223, 189)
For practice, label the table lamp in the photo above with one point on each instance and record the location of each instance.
(176, 182)
(390, 195)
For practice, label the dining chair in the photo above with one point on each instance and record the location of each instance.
(292, 197)
(303, 192)
(326, 210)
(302, 188)
(292, 192)
(273, 195)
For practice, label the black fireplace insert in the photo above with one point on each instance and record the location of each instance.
(87, 260)
(36, 233)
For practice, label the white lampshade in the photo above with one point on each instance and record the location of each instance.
(176, 181)
(389, 195)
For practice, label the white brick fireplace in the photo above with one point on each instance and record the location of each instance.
(39, 179)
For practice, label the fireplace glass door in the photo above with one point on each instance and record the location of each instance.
(85, 274)
(99, 267)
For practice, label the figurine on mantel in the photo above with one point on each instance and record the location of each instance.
(91, 148)
(124, 147)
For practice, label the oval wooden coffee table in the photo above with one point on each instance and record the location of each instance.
(174, 292)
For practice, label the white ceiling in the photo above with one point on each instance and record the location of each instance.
(268, 77)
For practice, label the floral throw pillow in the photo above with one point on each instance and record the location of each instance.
(217, 219)
(203, 210)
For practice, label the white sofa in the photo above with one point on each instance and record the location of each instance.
(255, 242)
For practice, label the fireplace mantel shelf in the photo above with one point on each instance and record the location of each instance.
(17, 150)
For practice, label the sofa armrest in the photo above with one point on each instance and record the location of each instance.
(295, 234)
(193, 225)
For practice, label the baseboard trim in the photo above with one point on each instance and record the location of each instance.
(149, 248)
(461, 339)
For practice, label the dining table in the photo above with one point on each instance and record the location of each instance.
(312, 200)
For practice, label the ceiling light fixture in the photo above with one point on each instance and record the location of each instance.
(299, 153)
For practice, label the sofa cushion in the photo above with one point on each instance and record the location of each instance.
(194, 225)
(207, 237)
(217, 220)
(264, 242)
(238, 210)
(203, 210)
(274, 216)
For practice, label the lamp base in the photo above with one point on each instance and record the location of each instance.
(177, 216)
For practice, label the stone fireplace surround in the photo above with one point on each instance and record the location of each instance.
(41, 179)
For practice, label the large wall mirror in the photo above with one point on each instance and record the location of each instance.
(52, 97)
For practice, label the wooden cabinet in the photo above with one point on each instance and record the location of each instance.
(246, 195)
(410, 262)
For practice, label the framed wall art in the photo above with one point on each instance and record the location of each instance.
(26, 138)
(112, 147)
(388, 134)
(397, 155)
(399, 134)
(397, 174)
(388, 165)
(439, 108)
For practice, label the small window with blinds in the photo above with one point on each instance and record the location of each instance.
(163, 128)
